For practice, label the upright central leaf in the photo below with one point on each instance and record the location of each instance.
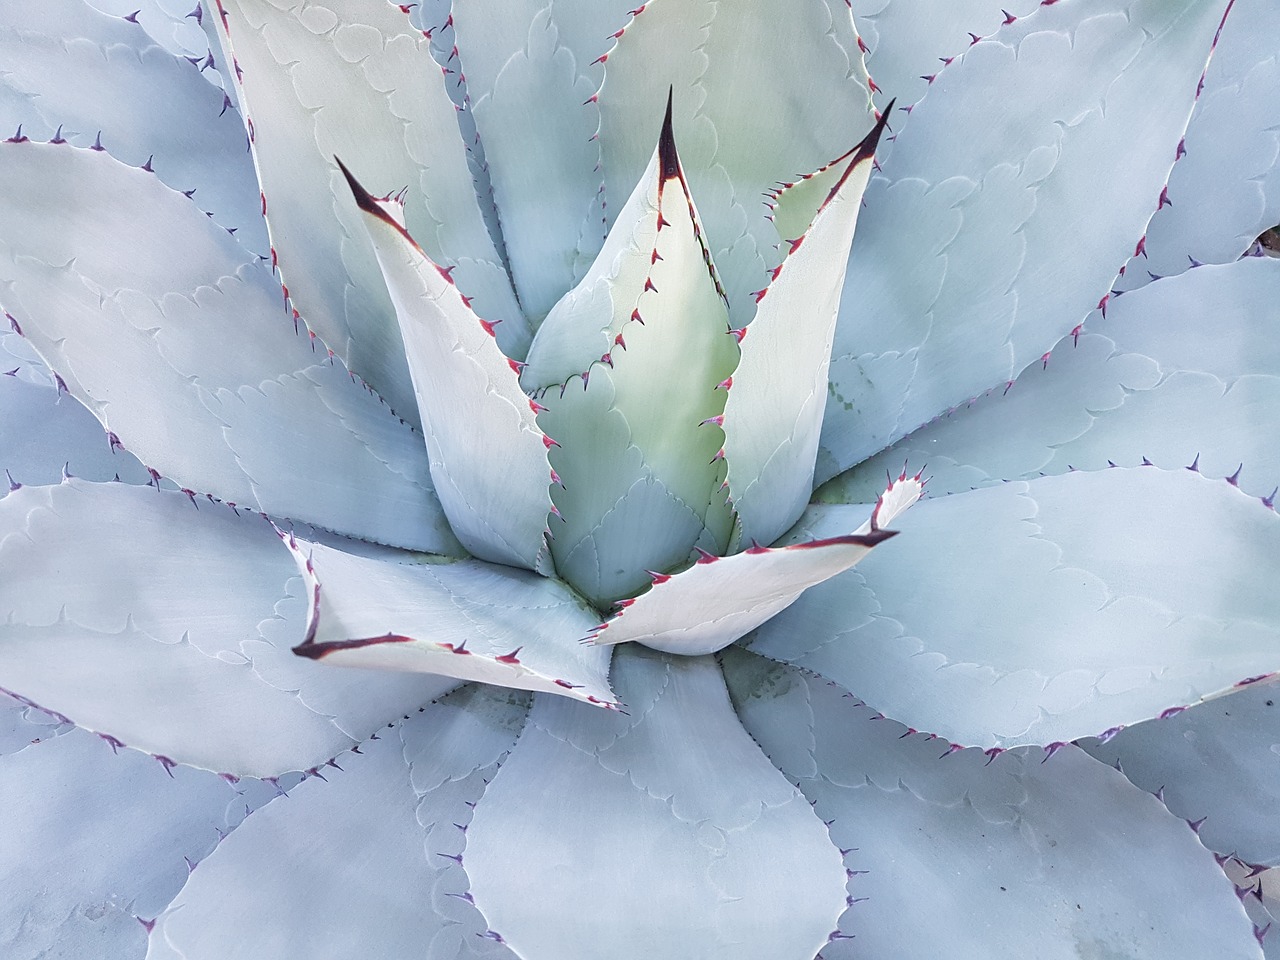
(637, 414)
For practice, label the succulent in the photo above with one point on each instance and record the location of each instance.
(463, 523)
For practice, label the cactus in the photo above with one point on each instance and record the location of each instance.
(778, 480)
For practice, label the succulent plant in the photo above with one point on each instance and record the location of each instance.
(412, 547)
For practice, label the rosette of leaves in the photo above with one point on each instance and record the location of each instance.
(411, 547)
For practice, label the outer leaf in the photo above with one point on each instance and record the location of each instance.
(1017, 843)
(1153, 380)
(369, 857)
(113, 605)
(1143, 590)
(147, 340)
(637, 451)
(43, 432)
(796, 105)
(470, 620)
(773, 413)
(73, 73)
(719, 599)
(80, 883)
(530, 76)
(1225, 189)
(909, 41)
(1214, 765)
(357, 81)
(962, 274)
(488, 456)
(746, 868)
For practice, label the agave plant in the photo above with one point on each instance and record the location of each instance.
(412, 550)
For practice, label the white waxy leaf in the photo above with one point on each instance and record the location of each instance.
(98, 838)
(638, 428)
(773, 413)
(764, 93)
(1017, 841)
(356, 80)
(190, 360)
(530, 81)
(73, 73)
(368, 854)
(962, 273)
(466, 619)
(1112, 597)
(44, 432)
(114, 612)
(488, 455)
(719, 599)
(1225, 188)
(1151, 380)
(1214, 765)
(676, 790)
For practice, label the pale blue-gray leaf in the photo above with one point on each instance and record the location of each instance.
(1216, 765)
(1183, 371)
(1225, 190)
(358, 82)
(1048, 610)
(676, 838)
(367, 859)
(488, 455)
(909, 41)
(44, 431)
(98, 839)
(468, 619)
(72, 72)
(114, 611)
(719, 599)
(965, 269)
(531, 81)
(773, 411)
(191, 359)
(1014, 856)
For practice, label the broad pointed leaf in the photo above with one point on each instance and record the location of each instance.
(1048, 610)
(114, 611)
(962, 273)
(1182, 372)
(1225, 188)
(44, 432)
(531, 80)
(357, 81)
(73, 73)
(98, 838)
(488, 455)
(909, 41)
(190, 361)
(773, 413)
(470, 620)
(719, 599)
(1214, 765)
(1057, 860)
(369, 855)
(747, 870)
(637, 444)
(765, 93)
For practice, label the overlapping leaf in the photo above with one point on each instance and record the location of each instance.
(191, 361)
(114, 610)
(747, 870)
(1048, 610)
(962, 273)
(470, 620)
